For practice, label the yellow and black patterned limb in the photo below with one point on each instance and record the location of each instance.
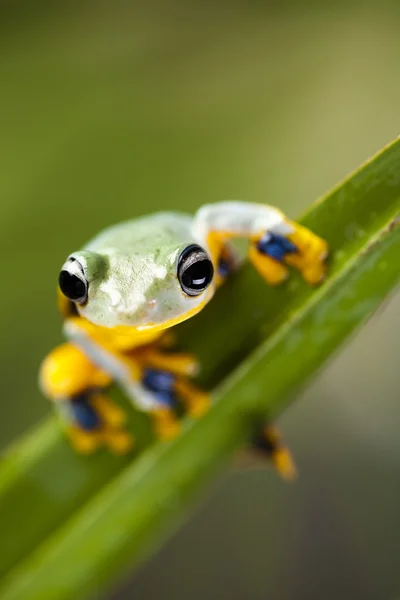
(275, 241)
(272, 253)
(173, 393)
(76, 386)
(94, 421)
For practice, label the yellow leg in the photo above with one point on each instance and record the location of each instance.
(117, 440)
(311, 255)
(301, 249)
(196, 401)
(273, 271)
(66, 372)
(166, 425)
(67, 376)
(84, 442)
(280, 455)
(268, 444)
(179, 363)
(113, 436)
(110, 413)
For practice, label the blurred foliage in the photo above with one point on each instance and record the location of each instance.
(109, 110)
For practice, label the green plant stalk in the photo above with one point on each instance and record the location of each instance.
(119, 526)
(42, 472)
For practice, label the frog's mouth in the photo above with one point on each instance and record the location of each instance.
(154, 327)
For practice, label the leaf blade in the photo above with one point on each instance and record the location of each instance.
(78, 560)
(353, 216)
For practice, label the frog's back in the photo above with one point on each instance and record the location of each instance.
(149, 232)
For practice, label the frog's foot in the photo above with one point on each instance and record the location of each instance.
(171, 392)
(268, 442)
(95, 421)
(271, 252)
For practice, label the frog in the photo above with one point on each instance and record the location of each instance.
(124, 292)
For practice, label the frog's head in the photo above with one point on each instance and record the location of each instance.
(141, 290)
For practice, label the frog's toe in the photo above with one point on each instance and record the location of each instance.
(272, 252)
(268, 442)
(84, 442)
(118, 440)
(108, 411)
(270, 268)
(166, 424)
(196, 401)
(310, 257)
(177, 363)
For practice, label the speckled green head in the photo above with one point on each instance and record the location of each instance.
(146, 273)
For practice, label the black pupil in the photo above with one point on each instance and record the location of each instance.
(198, 275)
(71, 286)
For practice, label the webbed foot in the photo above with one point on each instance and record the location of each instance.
(166, 377)
(94, 421)
(271, 254)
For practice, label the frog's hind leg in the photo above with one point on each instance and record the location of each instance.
(172, 393)
(170, 372)
(76, 387)
(267, 443)
(164, 389)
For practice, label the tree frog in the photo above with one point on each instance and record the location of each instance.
(129, 285)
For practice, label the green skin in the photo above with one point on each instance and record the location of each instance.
(131, 269)
(136, 280)
(131, 274)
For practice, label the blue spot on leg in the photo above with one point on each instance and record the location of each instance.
(162, 385)
(83, 413)
(275, 246)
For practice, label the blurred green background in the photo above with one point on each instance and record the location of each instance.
(114, 109)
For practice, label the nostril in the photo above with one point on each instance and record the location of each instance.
(115, 298)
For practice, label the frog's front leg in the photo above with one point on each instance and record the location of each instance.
(270, 252)
(275, 241)
(154, 380)
(77, 389)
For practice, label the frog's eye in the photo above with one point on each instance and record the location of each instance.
(72, 281)
(195, 270)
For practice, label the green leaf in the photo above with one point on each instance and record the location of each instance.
(82, 521)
